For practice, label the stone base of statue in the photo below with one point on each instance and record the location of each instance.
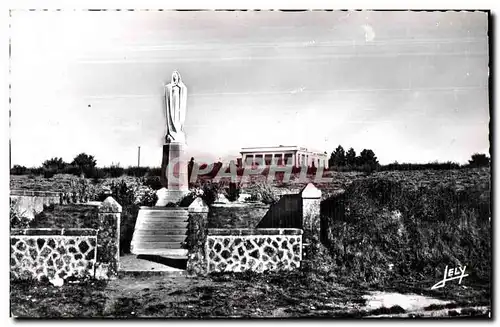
(174, 174)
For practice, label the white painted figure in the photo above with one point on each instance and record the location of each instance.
(175, 102)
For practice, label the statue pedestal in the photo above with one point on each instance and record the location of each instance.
(174, 174)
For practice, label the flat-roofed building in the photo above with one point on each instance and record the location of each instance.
(298, 156)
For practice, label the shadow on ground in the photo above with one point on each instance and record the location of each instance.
(171, 262)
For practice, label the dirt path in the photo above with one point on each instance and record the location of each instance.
(267, 295)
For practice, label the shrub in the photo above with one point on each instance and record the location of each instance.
(72, 170)
(55, 163)
(311, 170)
(411, 166)
(136, 171)
(210, 192)
(262, 192)
(85, 190)
(18, 170)
(37, 171)
(153, 182)
(414, 228)
(86, 164)
(96, 174)
(130, 196)
(49, 172)
(207, 190)
(232, 192)
(145, 196)
(113, 171)
(254, 197)
(17, 220)
(479, 160)
(155, 171)
(187, 200)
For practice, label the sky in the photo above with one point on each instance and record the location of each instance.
(411, 86)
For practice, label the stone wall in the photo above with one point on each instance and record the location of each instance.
(237, 250)
(51, 253)
(273, 241)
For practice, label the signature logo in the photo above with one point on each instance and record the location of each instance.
(451, 274)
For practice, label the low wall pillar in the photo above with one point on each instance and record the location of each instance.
(311, 199)
(108, 239)
(197, 235)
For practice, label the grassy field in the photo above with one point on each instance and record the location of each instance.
(458, 178)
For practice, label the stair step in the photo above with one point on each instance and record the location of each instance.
(165, 212)
(156, 219)
(160, 231)
(168, 253)
(164, 217)
(152, 225)
(156, 245)
(165, 231)
(159, 220)
(160, 238)
(159, 208)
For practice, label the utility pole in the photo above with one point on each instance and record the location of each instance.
(10, 139)
(138, 157)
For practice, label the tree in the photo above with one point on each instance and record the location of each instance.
(18, 170)
(479, 160)
(351, 157)
(86, 163)
(54, 164)
(367, 156)
(337, 158)
(368, 159)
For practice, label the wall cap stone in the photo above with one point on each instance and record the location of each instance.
(93, 203)
(253, 232)
(34, 193)
(311, 192)
(42, 232)
(198, 205)
(162, 192)
(258, 205)
(110, 205)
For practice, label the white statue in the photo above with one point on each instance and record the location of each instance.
(175, 101)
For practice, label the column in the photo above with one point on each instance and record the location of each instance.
(311, 223)
(311, 198)
(197, 237)
(108, 239)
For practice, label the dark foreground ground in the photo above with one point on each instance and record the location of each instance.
(297, 294)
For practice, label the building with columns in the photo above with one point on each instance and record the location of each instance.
(282, 154)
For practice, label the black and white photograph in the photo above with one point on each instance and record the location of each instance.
(249, 164)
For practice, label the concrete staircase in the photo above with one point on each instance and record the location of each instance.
(161, 231)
